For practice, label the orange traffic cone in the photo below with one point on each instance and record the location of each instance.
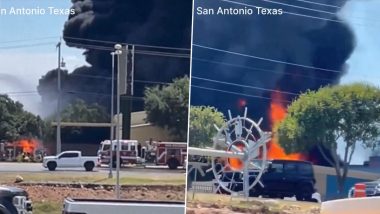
(359, 190)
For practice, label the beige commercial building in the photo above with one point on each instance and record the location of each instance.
(140, 130)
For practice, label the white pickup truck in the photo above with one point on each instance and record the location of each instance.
(70, 159)
(87, 206)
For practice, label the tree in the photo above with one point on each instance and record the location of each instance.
(345, 113)
(16, 123)
(79, 111)
(202, 121)
(167, 107)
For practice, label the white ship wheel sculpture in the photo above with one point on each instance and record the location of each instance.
(238, 155)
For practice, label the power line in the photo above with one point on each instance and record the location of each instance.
(301, 15)
(338, 7)
(142, 52)
(115, 42)
(19, 92)
(240, 94)
(285, 12)
(109, 78)
(88, 46)
(93, 77)
(28, 93)
(26, 45)
(273, 71)
(153, 82)
(311, 9)
(299, 7)
(265, 59)
(316, 3)
(259, 69)
(244, 86)
(155, 53)
(98, 41)
(30, 39)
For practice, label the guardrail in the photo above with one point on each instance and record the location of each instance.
(203, 187)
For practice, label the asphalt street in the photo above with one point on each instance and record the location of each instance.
(129, 170)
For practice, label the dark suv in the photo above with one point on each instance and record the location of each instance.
(287, 178)
(283, 178)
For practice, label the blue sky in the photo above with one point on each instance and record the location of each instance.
(33, 27)
(364, 18)
(364, 62)
(28, 49)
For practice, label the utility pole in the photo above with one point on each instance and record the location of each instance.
(112, 124)
(126, 104)
(59, 99)
(118, 52)
(132, 73)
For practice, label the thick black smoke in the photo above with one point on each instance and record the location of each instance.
(312, 38)
(148, 22)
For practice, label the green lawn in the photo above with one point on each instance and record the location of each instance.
(95, 178)
(47, 207)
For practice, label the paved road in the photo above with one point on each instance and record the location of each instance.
(37, 167)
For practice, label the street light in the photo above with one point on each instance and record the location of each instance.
(112, 128)
(118, 52)
(58, 131)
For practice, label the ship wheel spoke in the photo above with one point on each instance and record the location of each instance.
(241, 135)
(255, 166)
(238, 128)
(232, 179)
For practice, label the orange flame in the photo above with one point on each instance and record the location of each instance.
(28, 145)
(237, 164)
(278, 114)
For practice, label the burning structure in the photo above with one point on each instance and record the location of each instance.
(25, 149)
(277, 114)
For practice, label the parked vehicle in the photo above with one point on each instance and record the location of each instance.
(286, 178)
(283, 178)
(89, 206)
(172, 154)
(14, 201)
(70, 159)
(128, 152)
(372, 189)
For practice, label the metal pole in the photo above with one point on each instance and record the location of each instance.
(118, 52)
(195, 180)
(246, 180)
(59, 100)
(112, 126)
(132, 71)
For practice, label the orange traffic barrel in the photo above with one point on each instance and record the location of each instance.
(359, 190)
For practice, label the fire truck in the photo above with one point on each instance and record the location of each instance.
(128, 152)
(172, 154)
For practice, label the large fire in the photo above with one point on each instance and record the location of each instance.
(275, 151)
(277, 114)
(28, 145)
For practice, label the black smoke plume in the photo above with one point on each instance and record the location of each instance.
(148, 22)
(316, 38)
